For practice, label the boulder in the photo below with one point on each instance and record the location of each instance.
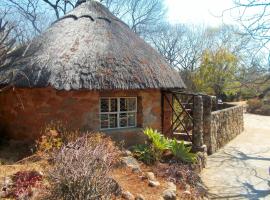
(169, 194)
(127, 195)
(154, 183)
(150, 176)
(132, 163)
(139, 197)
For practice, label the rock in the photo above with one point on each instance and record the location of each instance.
(202, 190)
(171, 186)
(169, 194)
(127, 195)
(131, 162)
(187, 187)
(127, 153)
(150, 176)
(154, 183)
(187, 192)
(139, 197)
(8, 182)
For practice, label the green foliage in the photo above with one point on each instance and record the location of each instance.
(160, 143)
(49, 141)
(217, 74)
(149, 153)
(144, 153)
(181, 152)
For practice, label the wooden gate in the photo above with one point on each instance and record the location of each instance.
(177, 115)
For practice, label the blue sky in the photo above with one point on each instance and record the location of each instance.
(198, 11)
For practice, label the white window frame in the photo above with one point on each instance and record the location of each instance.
(118, 112)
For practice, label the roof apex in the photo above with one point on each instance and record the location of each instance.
(90, 48)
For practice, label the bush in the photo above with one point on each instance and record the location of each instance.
(54, 135)
(144, 153)
(159, 143)
(181, 152)
(149, 153)
(258, 106)
(82, 169)
(23, 183)
(254, 104)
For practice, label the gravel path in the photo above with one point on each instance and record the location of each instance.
(241, 170)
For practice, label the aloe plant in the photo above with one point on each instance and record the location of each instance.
(181, 152)
(158, 140)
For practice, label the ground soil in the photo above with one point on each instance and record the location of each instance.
(14, 160)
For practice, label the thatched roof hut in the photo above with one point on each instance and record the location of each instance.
(89, 48)
(89, 70)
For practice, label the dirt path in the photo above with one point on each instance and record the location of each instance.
(241, 170)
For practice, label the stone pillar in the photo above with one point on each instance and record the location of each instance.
(214, 103)
(208, 102)
(197, 134)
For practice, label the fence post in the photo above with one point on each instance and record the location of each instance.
(197, 135)
(208, 104)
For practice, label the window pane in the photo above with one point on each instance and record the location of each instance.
(123, 104)
(113, 103)
(131, 104)
(104, 105)
(123, 120)
(113, 120)
(131, 119)
(104, 121)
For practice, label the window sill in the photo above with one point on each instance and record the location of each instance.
(137, 129)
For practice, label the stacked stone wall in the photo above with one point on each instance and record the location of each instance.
(222, 126)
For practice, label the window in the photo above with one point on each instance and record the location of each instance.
(118, 112)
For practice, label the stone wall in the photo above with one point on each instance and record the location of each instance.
(224, 125)
(23, 112)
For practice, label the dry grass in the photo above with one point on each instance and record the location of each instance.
(125, 177)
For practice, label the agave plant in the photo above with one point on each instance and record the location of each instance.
(158, 140)
(181, 152)
(144, 153)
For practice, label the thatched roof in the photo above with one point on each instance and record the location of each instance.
(89, 48)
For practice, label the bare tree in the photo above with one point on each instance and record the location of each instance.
(7, 40)
(254, 17)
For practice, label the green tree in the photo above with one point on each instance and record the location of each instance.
(217, 74)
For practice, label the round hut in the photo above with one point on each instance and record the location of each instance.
(88, 70)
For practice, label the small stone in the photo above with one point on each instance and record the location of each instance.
(150, 176)
(169, 194)
(202, 190)
(187, 192)
(3, 195)
(127, 153)
(136, 170)
(171, 186)
(8, 181)
(154, 183)
(187, 187)
(140, 197)
(127, 195)
(132, 163)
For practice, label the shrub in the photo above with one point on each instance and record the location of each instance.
(82, 169)
(49, 141)
(158, 141)
(254, 104)
(257, 106)
(181, 152)
(23, 184)
(157, 147)
(144, 153)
